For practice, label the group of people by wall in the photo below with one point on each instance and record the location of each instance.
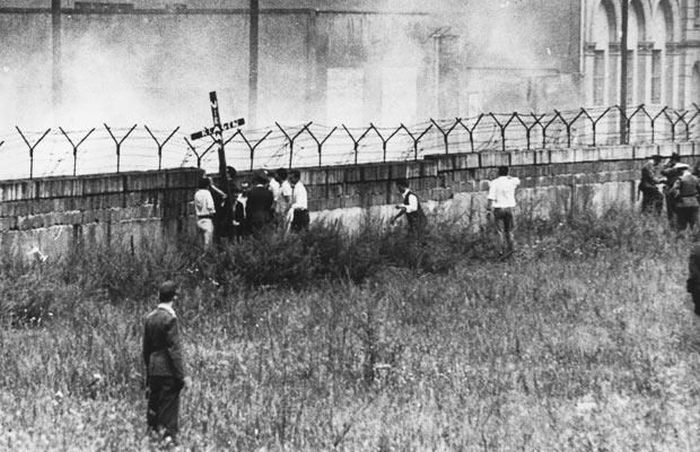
(674, 184)
(265, 202)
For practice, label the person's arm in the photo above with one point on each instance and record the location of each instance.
(402, 211)
(175, 349)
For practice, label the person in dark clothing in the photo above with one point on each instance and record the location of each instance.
(693, 283)
(411, 208)
(685, 191)
(671, 172)
(652, 198)
(259, 205)
(165, 369)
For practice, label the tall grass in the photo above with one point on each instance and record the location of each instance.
(325, 341)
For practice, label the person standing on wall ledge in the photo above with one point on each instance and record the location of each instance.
(165, 369)
(205, 211)
(500, 207)
(652, 198)
(411, 207)
(299, 209)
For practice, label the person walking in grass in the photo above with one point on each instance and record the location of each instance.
(411, 208)
(165, 368)
(205, 211)
(500, 207)
(299, 209)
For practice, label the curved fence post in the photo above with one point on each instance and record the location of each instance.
(159, 144)
(416, 139)
(292, 139)
(471, 131)
(75, 146)
(31, 149)
(568, 125)
(385, 141)
(673, 123)
(594, 122)
(356, 142)
(502, 128)
(527, 129)
(544, 130)
(445, 133)
(320, 144)
(652, 121)
(253, 147)
(197, 154)
(118, 143)
(689, 122)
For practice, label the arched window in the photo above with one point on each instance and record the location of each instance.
(604, 70)
(663, 73)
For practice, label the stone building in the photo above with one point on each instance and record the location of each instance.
(332, 61)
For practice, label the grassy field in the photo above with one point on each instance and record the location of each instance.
(580, 341)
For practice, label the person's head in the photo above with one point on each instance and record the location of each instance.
(675, 158)
(656, 159)
(401, 184)
(502, 171)
(260, 178)
(204, 183)
(167, 292)
(281, 175)
(294, 177)
(231, 172)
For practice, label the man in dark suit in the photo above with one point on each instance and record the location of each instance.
(165, 370)
(258, 208)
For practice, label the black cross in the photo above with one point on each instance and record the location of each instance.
(217, 132)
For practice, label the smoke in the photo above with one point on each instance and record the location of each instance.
(157, 69)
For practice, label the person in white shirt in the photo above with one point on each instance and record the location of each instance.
(204, 209)
(501, 203)
(299, 210)
(411, 208)
(282, 193)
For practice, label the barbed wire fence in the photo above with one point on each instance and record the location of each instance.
(105, 149)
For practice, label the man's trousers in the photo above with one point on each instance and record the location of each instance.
(163, 405)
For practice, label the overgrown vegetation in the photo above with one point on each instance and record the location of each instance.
(580, 341)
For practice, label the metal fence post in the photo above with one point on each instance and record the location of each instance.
(416, 139)
(445, 134)
(471, 131)
(31, 149)
(320, 144)
(75, 146)
(198, 155)
(356, 142)
(159, 144)
(385, 141)
(253, 147)
(118, 143)
(292, 139)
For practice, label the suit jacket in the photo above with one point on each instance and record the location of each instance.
(162, 350)
(258, 208)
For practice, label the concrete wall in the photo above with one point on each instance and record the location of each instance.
(144, 208)
(132, 209)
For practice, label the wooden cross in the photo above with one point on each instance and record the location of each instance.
(217, 132)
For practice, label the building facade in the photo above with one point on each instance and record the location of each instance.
(353, 62)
